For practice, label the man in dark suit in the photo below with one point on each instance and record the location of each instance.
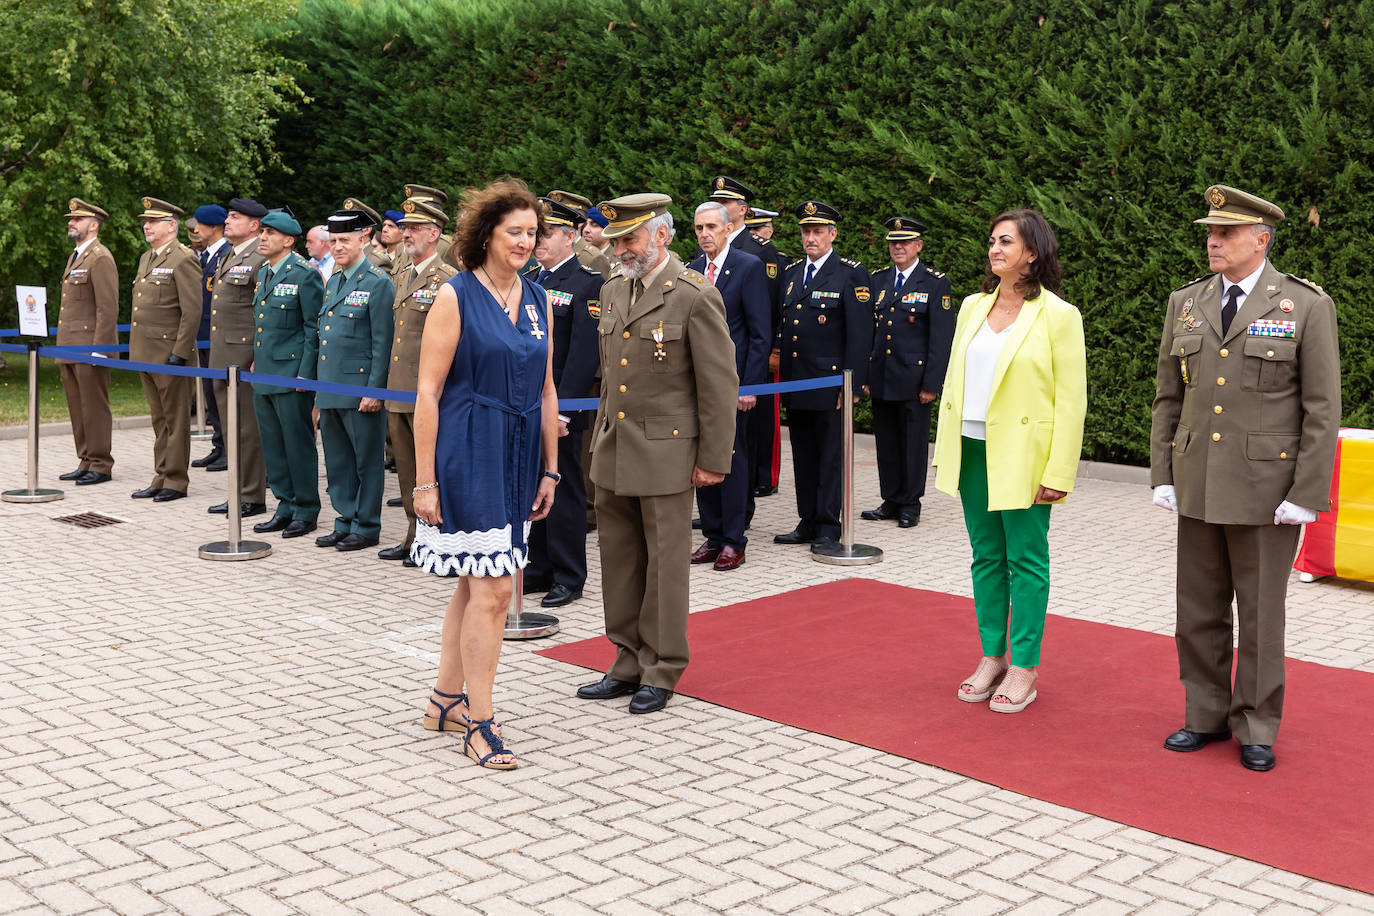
(741, 281)
(762, 432)
(211, 246)
(558, 543)
(915, 327)
(827, 326)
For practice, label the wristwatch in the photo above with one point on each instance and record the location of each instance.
(556, 478)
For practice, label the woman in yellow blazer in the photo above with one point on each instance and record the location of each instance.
(1010, 434)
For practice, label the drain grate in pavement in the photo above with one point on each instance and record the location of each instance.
(89, 520)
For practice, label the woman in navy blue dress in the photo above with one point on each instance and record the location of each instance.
(486, 414)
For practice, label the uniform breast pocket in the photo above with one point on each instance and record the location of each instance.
(662, 345)
(278, 317)
(352, 320)
(1271, 364)
(1186, 348)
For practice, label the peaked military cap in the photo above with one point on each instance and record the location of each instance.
(759, 217)
(357, 206)
(816, 212)
(160, 209)
(247, 206)
(420, 212)
(727, 188)
(1231, 207)
(575, 202)
(904, 229)
(210, 215)
(421, 192)
(626, 214)
(557, 213)
(78, 207)
(282, 221)
(349, 221)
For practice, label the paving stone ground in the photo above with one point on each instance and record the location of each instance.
(178, 735)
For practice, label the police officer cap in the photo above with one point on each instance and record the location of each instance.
(77, 207)
(815, 213)
(759, 217)
(421, 192)
(557, 213)
(282, 221)
(362, 209)
(210, 215)
(575, 202)
(904, 229)
(1231, 207)
(597, 217)
(248, 207)
(626, 214)
(395, 216)
(160, 209)
(349, 221)
(727, 188)
(420, 212)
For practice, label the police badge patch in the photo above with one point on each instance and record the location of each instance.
(594, 308)
(772, 271)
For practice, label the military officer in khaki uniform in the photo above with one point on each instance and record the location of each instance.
(232, 328)
(163, 323)
(1243, 439)
(665, 424)
(90, 309)
(588, 255)
(416, 286)
(439, 200)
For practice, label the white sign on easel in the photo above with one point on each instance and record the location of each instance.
(33, 310)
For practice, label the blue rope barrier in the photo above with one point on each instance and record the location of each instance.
(352, 391)
(14, 332)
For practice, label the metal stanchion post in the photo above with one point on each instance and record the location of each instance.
(200, 432)
(846, 552)
(32, 494)
(520, 625)
(233, 549)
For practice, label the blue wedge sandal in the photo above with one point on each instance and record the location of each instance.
(487, 729)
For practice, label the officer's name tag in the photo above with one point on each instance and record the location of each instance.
(286, 289)
(824, 294)
(241, 269)
(424, 296)
(915, 297)
(161, 273)
(1272, 327)
(78, 273)
(357, 297)
(558, 297)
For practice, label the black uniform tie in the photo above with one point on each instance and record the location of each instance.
(543, 277)
(897, 289)
(810, 275)
(1228, 311)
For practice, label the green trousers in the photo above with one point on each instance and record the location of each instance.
(1011, 564)
(288, 452)
(354, 444)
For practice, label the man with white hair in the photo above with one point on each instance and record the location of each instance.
(317, 246)
(665, 424)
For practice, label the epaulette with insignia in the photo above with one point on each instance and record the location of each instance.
(760, 239)
(1191, 282)
(586, 269)
(795, 263)
(690, 274)
(933, 272)
(533, 271)
(1306, 282)
(850, 261)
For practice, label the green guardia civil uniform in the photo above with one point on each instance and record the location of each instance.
(286, 342)
(355, 348)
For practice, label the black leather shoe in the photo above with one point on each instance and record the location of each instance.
(146, 493)
(560, 595)
(399, 552)
(72, 475)
(797, 535)
(355, 542)
(394, 501)
(248, 510)
(220, 465)
(696, 524)
(408, 563)
(215, 455)
(880, 514)
(331, 539)
(760, 492)
(1257, 757)
(908, 520)
(92, 477)
(276, 523)
(649, 699)
(219, 508)
(166, 495)
(608, 688)
(1185, 741)
(297, 528)
(390, 465)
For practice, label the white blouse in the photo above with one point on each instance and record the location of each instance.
(980, 364)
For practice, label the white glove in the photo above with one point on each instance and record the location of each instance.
(1289, 514)
(1164, 497)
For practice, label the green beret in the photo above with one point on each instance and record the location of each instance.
(281, 222)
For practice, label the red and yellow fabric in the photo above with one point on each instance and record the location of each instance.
(1341, 542)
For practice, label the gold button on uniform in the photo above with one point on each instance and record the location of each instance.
(626, 335)
(624, 361)
(1221, 381)
(1225, 352)
(1216, 437)
(620, 415)
(1283, 454)
(674, 432)
(1216, 409)
(622, 389)
(1269, 353)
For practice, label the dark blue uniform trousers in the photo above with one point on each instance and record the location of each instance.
(558, 543)
(725, 507)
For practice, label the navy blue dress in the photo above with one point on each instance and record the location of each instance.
(486, 450)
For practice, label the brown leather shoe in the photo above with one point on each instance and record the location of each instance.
(705, 554)
(729, 558)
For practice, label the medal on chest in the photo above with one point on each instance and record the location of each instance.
(659, 353)
(535, 331)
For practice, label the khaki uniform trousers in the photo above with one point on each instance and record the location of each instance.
(169, 405)
(400, 426)
(646, 548)
(252, 470)
(1215, 562)
(88, 401)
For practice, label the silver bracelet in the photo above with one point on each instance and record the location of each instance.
(428, 486)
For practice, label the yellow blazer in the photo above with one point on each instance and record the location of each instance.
(1035, 414)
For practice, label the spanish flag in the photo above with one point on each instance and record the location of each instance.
(1341, 542)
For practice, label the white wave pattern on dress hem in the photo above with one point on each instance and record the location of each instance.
(468, 553)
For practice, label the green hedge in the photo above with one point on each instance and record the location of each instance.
(1110, 118)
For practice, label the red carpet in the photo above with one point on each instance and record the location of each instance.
(878, 664)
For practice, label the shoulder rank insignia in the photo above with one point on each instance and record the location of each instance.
(1306, 282)
(850, 261)
(795, 263)
(586, 269)
(935, 273)
(1191, 282)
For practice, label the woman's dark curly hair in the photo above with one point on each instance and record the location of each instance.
(482, 210)
(1036, 235)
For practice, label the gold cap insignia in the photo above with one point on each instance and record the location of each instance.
(608, 212)
(348, 204)
(546, 207)
(408, 191)
(810, 208)
(147, 202)
(71, 205)
(897, 224)
(720, 183)
(1215, 197)
(408, 206)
